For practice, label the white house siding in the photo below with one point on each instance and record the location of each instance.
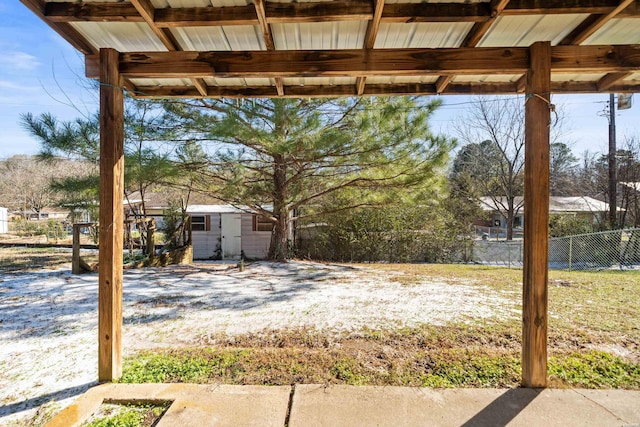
(255, 244)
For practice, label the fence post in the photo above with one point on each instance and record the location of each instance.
(570, 250)
(75, 256)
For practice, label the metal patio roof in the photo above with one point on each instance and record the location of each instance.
(337, 48)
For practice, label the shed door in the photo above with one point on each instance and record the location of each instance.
(231, 235)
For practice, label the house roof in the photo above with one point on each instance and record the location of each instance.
(161, 198)
(257, 48)
(220, 209)
(556, 204)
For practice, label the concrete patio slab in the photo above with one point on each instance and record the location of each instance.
(352, 406)
(317, 405)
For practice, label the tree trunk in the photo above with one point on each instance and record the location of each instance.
(510, 217)
(279, 246)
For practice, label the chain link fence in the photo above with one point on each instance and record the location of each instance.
(618, 249)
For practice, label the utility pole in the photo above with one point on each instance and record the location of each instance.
(613, 187)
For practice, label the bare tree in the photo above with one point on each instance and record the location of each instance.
(496, 127)
(628, 159)
(28, 182)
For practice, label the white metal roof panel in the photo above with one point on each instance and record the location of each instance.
(319, 35)
(617, 31)
(86, 1)
(161, 82)
(198, 3)
(401, 79)
(212, 81)
(123, 36)
(525, 30)
(318, 81)
(422, 34)
(583, 77)
(489, 78)
(433, 1)
(240, 37)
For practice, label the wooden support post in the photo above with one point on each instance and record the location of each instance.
(536, 216)
(151, 238)
(111, 218)
(75, 255)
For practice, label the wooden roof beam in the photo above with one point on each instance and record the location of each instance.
(358, 62)
(558, 7)
(359, 10)
(592, 24)
(370, 90)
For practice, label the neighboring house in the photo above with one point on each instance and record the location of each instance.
(226, 232)
(46, 213)
(582, 206)
(154, 207)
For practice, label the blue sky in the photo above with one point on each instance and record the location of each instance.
(40, 72)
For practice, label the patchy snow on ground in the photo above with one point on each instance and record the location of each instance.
(48, 319)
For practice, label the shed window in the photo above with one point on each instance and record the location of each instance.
(199, 223)
(261, 223)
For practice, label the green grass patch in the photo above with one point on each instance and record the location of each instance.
(427, 356)
(594, 369)
(129, 415)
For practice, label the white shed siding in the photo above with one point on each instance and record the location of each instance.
(255, 244)
(4, 221)
(206, 243)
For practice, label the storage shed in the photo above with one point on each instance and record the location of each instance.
(228, 232)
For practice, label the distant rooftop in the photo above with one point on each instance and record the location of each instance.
(556, 204)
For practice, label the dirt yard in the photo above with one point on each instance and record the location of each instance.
(48, 318)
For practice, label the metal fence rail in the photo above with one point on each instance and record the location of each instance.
(618, 249)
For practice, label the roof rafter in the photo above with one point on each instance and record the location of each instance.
(370, 39)
(474, 36)
(588, 27)
(268, 38)
(357, 62)
(593, 23)
(147, 11)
